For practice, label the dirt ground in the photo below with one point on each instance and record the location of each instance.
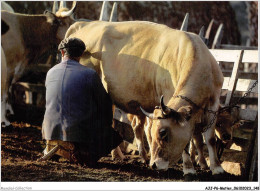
(21, 146)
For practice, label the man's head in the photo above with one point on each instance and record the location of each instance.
(72, 47)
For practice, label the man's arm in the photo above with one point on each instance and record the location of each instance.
(102, 98)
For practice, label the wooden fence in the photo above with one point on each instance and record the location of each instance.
(235, 82)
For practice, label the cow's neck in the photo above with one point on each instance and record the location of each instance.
(39, 38)
(176, 102)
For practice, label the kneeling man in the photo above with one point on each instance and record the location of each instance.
(78, 118)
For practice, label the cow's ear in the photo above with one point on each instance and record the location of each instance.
(50, 17)
(185, 112)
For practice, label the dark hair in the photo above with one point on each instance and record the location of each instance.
(73, 47)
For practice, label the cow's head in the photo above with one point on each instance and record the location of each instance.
(61, 18)
(171, 131)
(227, 119)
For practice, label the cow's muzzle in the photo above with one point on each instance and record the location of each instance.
(159, 164)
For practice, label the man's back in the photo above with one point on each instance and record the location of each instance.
(76, 103)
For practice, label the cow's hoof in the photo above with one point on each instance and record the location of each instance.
(190, 177)
(3, 124)
(6, 125)
(218, 170)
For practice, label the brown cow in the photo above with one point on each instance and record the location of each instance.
(29, 36)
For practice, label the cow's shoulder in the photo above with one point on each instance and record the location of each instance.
(75, 27)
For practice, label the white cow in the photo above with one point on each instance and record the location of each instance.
(141, 61)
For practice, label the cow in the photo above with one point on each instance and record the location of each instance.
(30, 36)
(141, 61)
(227, 120)
(135, 122)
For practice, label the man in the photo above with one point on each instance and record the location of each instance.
(78, 116)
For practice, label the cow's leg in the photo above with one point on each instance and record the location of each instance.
(187, 163)
(147, 129)
(4, 121)
(210, 139)
(138, 128)
(9, 108)
(192, 152)
(8, 105)
(198, 142)
(117, 151)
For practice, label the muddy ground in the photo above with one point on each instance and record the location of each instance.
(21, 146)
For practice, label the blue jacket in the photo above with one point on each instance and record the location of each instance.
(78, 108)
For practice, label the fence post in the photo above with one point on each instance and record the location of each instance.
(251, 166)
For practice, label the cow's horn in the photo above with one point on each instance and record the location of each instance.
(209, 29)
(71, 11)
(165, 110)
(184, 26)
(150, 115)
(63, 4)
(55, 7)
(201, 33)
(113, 16)
(104, 14)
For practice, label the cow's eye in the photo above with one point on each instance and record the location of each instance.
(163, 134)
